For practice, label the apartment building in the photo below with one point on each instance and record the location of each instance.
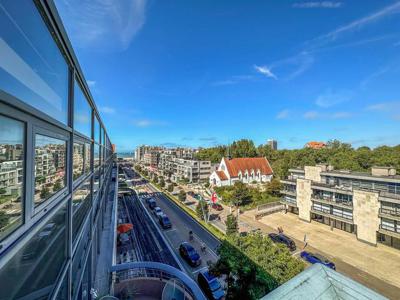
(150, 158)
(56, 161)
(183, 169)
(365, 204)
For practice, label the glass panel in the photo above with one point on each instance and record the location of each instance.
(96, 129)
(96, 155)
(63, 291)
(50, 156)
(80, 206)
(11, 174)
(33, 270)
(82, 112)
(79, 259)
(78, 160)
(31, 66)
(87, 158)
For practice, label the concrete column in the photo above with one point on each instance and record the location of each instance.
(303, 192)
(365, 215)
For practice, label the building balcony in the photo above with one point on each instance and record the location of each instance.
(389, 197)
(393, 214)
(289, 201)
(331, 188)
(327, 213)
(289, 181)
(289, 192)
(394, 232)
(332, 201)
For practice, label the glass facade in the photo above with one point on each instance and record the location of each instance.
(46, 161)
(12, 134)
(32, 68)
(50, 167)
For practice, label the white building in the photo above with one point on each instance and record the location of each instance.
(246, 170)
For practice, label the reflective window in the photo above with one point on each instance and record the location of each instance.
(80, 206)
(32, 67)
(32, 271)
(82, 112)
(78, 159)
(50, 157)
(87, 158)
(96, 155)
(63, 291)
(96, 129)
(11, 174)
(79, 259)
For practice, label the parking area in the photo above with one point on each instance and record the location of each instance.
(368, 262)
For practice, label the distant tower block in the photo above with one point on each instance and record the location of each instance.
(273, 144)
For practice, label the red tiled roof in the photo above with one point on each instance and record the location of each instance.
(221, 175)
(316, 145)
(248, 163)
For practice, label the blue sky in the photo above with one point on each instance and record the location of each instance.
(202, 73)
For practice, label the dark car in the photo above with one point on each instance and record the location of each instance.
(210, 285)
(217, 206)
(164, 221)
(315, 258)
(152, 203)
(189, 254)
(283, 239)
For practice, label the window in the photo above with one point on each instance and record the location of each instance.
(12, 135)
(78, 159)
(87, 157)
(36, 265)
(50, 158)
(96, 135)
(80, 206)
(96, 155)
(82, 112)
(32, 67)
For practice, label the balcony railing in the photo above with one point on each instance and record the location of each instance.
(332, 201)
(289, 200)
(389, 228)
(390, 212)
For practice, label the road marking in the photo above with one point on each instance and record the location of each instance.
(199, 270)
(170, 230)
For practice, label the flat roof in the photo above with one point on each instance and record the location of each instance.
(320, 282)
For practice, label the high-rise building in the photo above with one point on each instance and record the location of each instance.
(273, 144)
(56, 160)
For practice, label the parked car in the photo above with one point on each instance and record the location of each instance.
(157, 211)
(152, 203)
(217, 206)
(191, 193)
(164, 221)
(315, 258)
(283, 239)
(189, 254)
(210, 285)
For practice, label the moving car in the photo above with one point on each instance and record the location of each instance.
(164, 221)
(283, 239)
(157, 211)
(315, 258)
(152, 203)
(217, 206)
(210, 285)
(189, 254)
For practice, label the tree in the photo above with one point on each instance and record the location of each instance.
(4, 219)
(274, 187)
(170, 188)
(162, 182)
(155, 178)
(44, 193)
(3, 191)
(231, 225)
(241, 195)
(207, 184)
(202, 210)
(57, 185)
(243, 148)
(182, 196)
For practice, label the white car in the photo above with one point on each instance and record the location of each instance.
(157, 211)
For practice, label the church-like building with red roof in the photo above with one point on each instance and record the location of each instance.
(246, 170)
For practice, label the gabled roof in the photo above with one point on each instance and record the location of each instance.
(320, 282)
(248, 163)
(316, 145)
(221, 175)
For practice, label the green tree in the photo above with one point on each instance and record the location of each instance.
(243, 148)
(232, 226)
(3, 191)
(182, 196)
(202, 210)
(274, 187)
(57, 185)
(162, 182)
(241, 194)
(170, 188)
(44, 193)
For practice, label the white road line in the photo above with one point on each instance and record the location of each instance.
(170, 230)
(199, 270)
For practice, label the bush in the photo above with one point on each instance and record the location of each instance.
(202, 210)
(231, 225)
(182, 196)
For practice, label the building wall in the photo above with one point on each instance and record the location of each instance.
(365, 214)
(304, 199)
(313, 173)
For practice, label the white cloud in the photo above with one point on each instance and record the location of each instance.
(91, 83)
(330, 98)
(385, 106)
(147, 123)
(102, 24)
(318, 4)
(107, 109)
(311, 115)
(265, 71)
(284, 114)
(342, 115)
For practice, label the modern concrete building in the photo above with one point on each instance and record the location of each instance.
(150, 158)
(365, 204)
(273, 144)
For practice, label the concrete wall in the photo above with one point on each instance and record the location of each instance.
(313, 173)
(365, 215)
(304, 203)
